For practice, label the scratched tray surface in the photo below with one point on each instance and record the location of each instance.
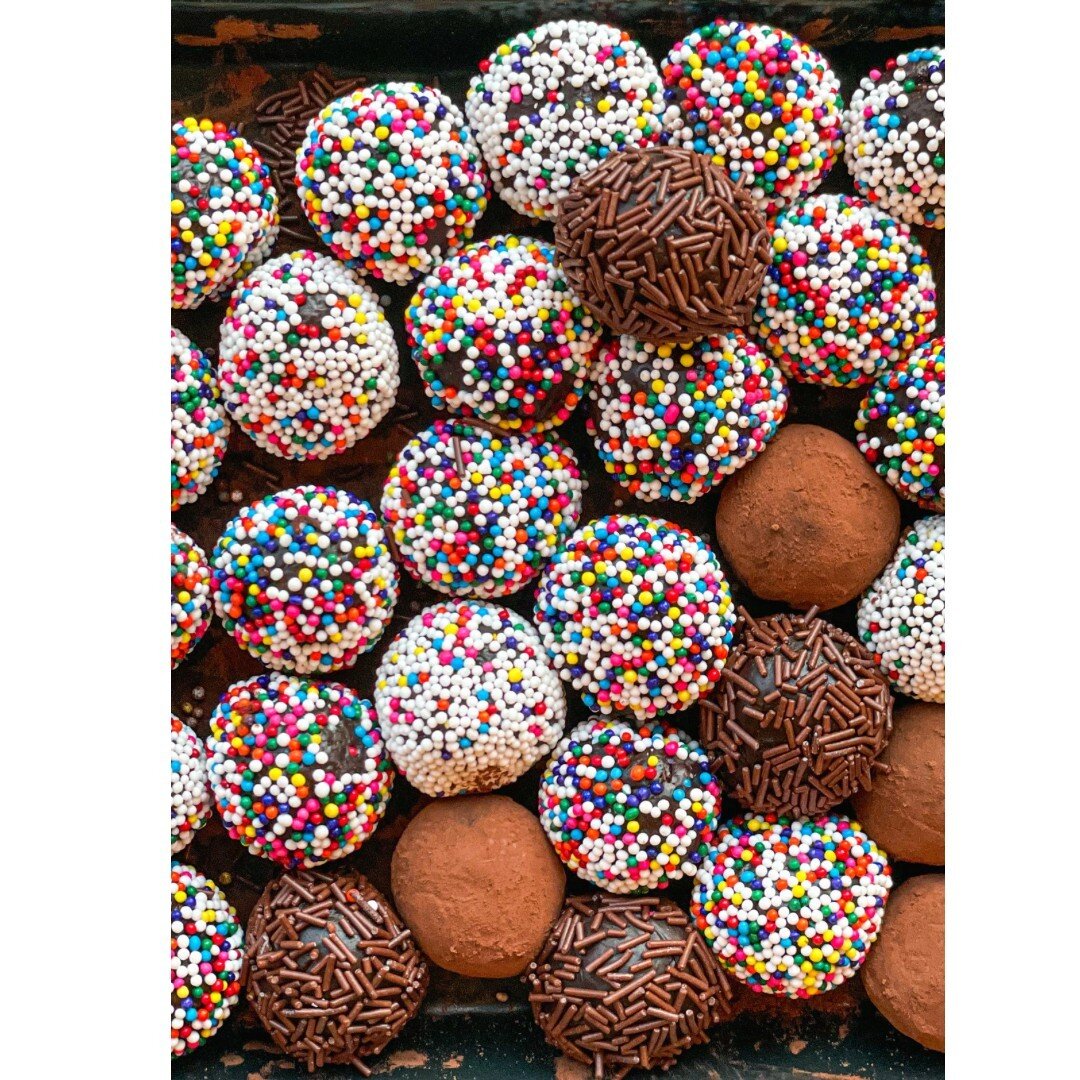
(268, 67)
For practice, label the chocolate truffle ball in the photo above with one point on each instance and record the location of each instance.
(190, 790)
(904, 976)
(553, 102)
(799, 716)
(478, 883)
(626, 983)
(200, 423)
(190, 609)
(663, 246)
(905, 809)
(808, 523)
(333, 974)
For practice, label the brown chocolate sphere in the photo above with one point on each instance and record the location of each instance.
(478, 883)
(904, 810)
(808, 522)
(904, 973)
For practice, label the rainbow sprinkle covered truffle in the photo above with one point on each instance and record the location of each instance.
(224, 210)
(765, 105)
(629, 807)
(467, 699)
(636, 614)
(670, 421)
(849, 292)
(552, 102)
(791, 905)
(303, 579)
(207, 955)
(901, 616)
(191, 802)
(190, 609)
(390, 179)
(308, 363)
(498, 333)
(200, 424)
(298, 769)
(476, 512)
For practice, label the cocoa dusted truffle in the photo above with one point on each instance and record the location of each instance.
(332, 972)
(904, 975)
(799, 715)
(810, 523)
(478, 883)
(626, 983)
(661, 244)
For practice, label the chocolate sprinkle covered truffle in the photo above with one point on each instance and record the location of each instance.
(200, 423)
(800, 714)
(190, 580)
(625, 983)
(332, 972)
(191, 800)
(662, 245)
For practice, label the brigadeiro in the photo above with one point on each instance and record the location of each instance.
(190, 608)
(298, 769)
(308, 363)
(626, 983)
(206, 960)
(498, 334)
(224, 210)
(894, 137)
(628, 807)
(190, 791)
(791, 905)
(763, 104)
(467, 698)
(332, 973)
(478, 512)
(551, 103)
(901, 426)
(905, 809)
(849, 292)
(808, 523)
(670, 421)
(303, 579)
(663, 246)
(902, 615)
(478, 883)
(904, 976)
(200, 424)
(391, 179)
(636, 614)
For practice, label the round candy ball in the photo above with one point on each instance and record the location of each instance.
(765, 105)
(663, 246)
(303, 579)
(367, 977)
(894, 137)
(200, 424)
(553, 102)
(467, 699)
(499, 334)
(390, 179)
(637, 615)
(308, 363)
(224, 210)
(902, 615)
(671, 421)
(901, 426)
(478, 883)
(629, 808)
(626, 983)
(207, 955)
(298, 769)
(476, 512)
(800, 715)
(191, 801)
(791, 906)
(190, 608)
(849, 292)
